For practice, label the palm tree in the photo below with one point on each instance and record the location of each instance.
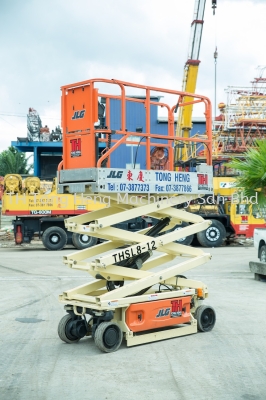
(252, 179)
(14, 162)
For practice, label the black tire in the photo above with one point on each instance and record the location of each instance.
(54, 238)
(187, 240)
(195, 242)
(81, 241)
(206, 318)
(63, 333)
(108, 336)
(262, 256)
(213, 236)
(69, 238)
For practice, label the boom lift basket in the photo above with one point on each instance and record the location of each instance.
(132, 296)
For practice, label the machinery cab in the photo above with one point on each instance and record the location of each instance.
(244, 218)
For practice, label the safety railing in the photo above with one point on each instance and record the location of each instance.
(80, 115)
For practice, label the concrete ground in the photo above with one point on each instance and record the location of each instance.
(226, 363)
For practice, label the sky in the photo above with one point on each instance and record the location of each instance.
(46, 44)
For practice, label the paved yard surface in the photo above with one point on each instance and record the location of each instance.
(227, 363)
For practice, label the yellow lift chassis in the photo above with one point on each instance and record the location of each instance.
(139, 292)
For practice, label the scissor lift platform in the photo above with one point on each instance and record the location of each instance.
(139, 292)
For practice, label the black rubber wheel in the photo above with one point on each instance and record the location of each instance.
(212, 236)
(63, 333)
(195, 242)
(81, 241)
(54, 238)
(187, 240)
(206, 318)
(108, 336)
(262, 256)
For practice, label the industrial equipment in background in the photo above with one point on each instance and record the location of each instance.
(185, 151)
(36, 206)
(36, 132)
(233, 217)
(40, 212)
(241, 122)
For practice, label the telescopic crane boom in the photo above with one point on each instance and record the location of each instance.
(184, 125)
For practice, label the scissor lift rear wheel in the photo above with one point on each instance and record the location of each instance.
(108, 336)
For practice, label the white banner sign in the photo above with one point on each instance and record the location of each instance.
(144, 181)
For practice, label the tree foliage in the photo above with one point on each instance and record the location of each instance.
(252, 179)
(14, 162)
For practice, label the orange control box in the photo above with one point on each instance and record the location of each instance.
(157, 314)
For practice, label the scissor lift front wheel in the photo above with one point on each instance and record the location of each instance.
(108, 336)
(206, 318)
(71, 329)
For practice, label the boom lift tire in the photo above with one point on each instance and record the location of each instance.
(54, 238)
(108, 336)
(63, 333)
(187, 240)
(81, 241)
(206, 318)
(262, 256)
(212, 236)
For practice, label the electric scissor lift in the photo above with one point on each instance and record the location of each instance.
(139, 292)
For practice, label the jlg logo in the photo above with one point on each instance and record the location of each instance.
(78, 114)
(115, 175)
(75, 147)
(163, 312)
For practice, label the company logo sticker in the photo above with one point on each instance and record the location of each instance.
(75, 147)
(202, 181)
(79, 114)
(115, 174)
(176, 308)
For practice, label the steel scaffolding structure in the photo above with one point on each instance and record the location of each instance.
(242, 120)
